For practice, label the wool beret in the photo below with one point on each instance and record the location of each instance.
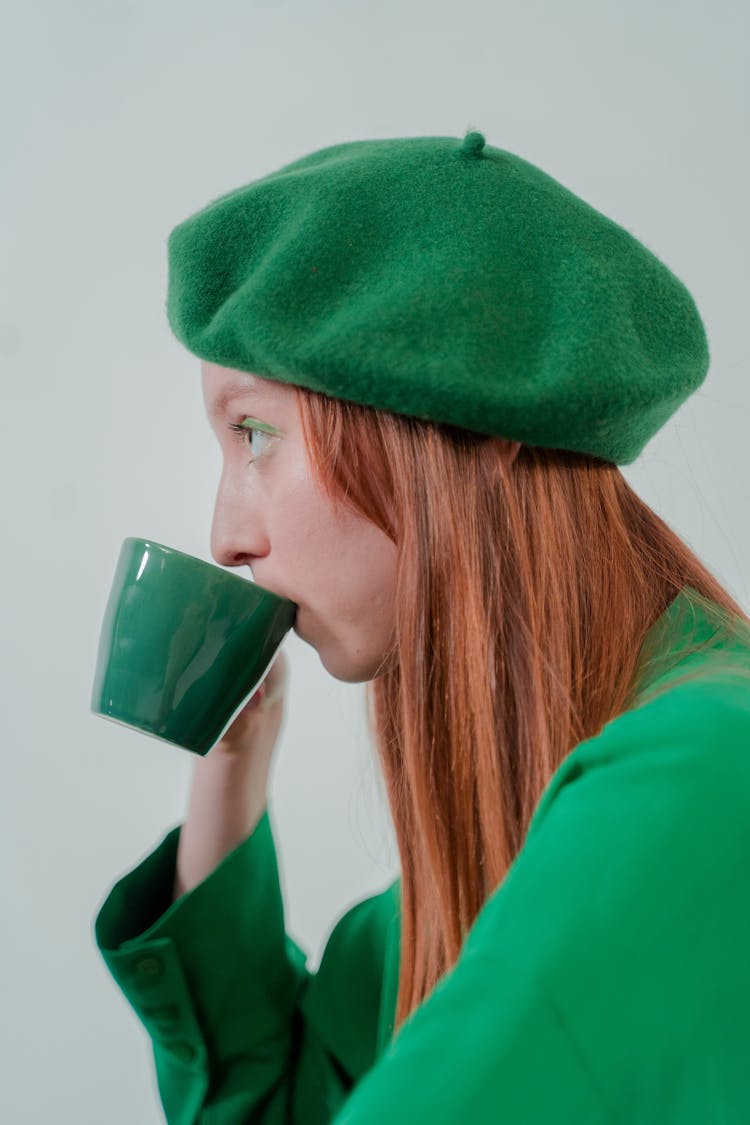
(445, 279)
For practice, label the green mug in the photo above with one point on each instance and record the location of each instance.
(183, 645)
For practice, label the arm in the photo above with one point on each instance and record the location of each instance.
(227, 800)
(241, 1030)
(194, 936)
(229, 785)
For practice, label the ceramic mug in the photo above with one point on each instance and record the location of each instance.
(183, 645)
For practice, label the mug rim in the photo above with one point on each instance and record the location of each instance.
(247, 582)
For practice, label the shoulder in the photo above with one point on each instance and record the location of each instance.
(647, 818)
(693, 738)
(363, 929)
(343, 1000)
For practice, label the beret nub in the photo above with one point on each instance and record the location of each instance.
(472, 145)
(446, 279)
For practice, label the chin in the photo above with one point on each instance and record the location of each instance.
(338, 661)
(350, 670)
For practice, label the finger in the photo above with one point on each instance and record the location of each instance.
(273, 696)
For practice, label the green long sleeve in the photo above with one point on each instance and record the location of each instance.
(241, 1030)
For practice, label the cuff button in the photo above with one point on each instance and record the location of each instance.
(183, 1050)
(147, 969)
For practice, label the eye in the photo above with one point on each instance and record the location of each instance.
(244, 430)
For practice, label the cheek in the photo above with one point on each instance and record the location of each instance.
(330, 556)
(362, 573)
(304, 536)
(383, 562)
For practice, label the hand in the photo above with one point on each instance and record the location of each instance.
(256, 728)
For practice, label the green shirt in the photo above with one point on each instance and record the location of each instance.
(607, 979)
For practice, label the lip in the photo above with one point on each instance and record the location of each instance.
(279, 594)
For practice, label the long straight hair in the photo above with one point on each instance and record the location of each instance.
(523, 593)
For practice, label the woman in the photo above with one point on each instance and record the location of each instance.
(424, 360)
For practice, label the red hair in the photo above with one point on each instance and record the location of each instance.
(524, 591)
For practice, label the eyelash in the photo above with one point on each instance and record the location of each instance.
(243, 431)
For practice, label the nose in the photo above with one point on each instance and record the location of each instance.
(238, 535)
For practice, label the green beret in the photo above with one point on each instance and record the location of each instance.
(444, 279)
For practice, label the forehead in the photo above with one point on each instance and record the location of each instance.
(222, 384)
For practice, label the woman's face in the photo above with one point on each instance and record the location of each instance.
(271, 516)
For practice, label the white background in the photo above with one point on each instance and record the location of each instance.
(119, 120)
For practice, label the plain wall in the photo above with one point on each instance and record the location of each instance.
(119, 120)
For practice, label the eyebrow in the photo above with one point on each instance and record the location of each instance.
(233, 392)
